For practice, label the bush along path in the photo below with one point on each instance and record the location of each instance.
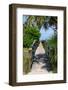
(41, 63)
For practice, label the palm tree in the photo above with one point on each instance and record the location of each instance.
(53, 52)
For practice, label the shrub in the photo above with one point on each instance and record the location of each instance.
(53, 53)
(30, 34)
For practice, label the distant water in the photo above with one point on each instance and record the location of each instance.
(46, 33)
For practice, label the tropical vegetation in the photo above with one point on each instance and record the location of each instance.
(31, 32)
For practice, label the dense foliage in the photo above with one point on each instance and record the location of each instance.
(30, 34)
(52, 43)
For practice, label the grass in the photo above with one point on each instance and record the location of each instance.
(26, 61)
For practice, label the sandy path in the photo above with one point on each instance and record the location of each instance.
(37, 67)
(40, 49)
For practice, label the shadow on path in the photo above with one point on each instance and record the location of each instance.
(44, 59)
(40, 64)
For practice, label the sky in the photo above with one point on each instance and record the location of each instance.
(45, 33)
(24, 18)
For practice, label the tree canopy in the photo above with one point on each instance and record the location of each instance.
(33, 25)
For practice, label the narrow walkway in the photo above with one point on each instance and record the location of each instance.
(41, 65)
(37, 69)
